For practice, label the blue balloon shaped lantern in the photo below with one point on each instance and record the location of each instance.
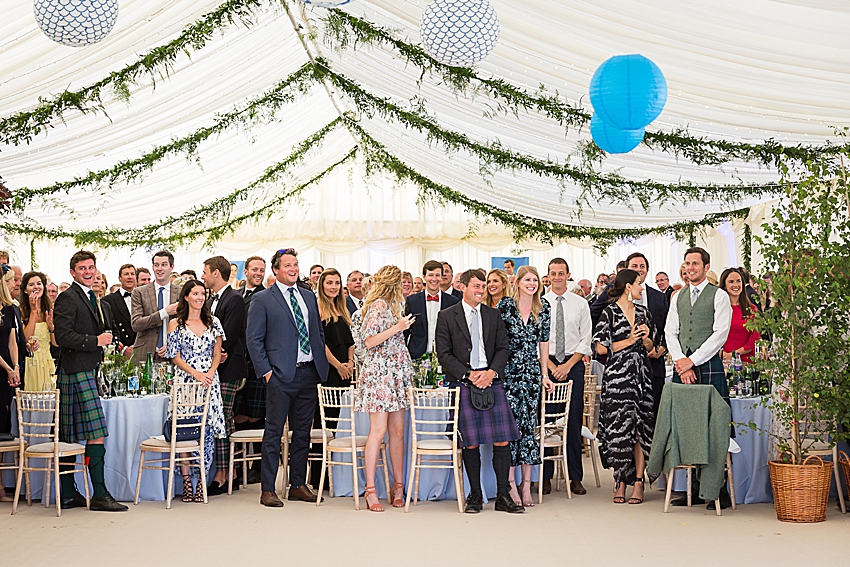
(628, 91)
(459, 33)
(327, 3)
(76, 23)
(613, 140)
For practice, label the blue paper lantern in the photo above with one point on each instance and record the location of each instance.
(628, 91)
(76, 23)
(327, 3)
(613, 140)
(459, 33)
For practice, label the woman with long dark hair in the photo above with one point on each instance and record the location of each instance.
(194, 346)
(339, 344)
(740, 340)
(37, 316)
(624, 333)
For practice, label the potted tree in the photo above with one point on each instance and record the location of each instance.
(805, 250)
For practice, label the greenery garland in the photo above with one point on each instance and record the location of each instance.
(214, 217)
(748, 247)
(126, 171)
(343, 30)
(159, 61)
(522, 227)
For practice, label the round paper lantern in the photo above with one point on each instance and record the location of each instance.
(613, 140)
(75, 22)
(327, 3)
(628, 91)
(459, 33)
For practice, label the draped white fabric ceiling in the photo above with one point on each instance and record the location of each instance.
(746, 71)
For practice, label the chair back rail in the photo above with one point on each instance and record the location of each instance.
(30, 403)
(339, 398)
(425, 399)
(189, 400)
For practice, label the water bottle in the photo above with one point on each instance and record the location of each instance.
(738, 373)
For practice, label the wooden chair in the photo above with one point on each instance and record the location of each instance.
(29, 405)
(553, 434)
(245, 439)
(344, 439)
(590, 446)
(12, 446)
(443, 434)
(733, 448)
(189, 400)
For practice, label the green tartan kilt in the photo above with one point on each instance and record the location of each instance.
(80, 413)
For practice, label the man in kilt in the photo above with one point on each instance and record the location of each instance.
(472, 346)
(697, 327)
(80, 335)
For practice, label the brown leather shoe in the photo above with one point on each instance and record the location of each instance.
(271, 500)
(547, 486)
(577, 488)
(303, 493)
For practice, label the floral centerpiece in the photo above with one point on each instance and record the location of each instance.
(427, 371)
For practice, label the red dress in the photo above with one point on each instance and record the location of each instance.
(739, 336)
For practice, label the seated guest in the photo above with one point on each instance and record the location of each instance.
(336, 323)
(472, 347)
(625, 413)
(425, 306)
(498, 287)
(385, 377)
(194, 346)
(526, 317)
(741, 340)
(37, 315)
(406, 284)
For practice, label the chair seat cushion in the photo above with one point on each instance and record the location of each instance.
(160, 443)
(343, 442)
(42, 448)
(552, 440)
(247, 435)
(435, 444)
(14, 443)
(587, 433)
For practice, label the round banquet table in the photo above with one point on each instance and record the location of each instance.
(129, 421)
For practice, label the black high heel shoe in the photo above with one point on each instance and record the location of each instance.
(634, 499)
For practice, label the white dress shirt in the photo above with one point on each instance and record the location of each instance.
(722, 323)
(166, 301)
(482, 355)
(578, 328)
(218, 295)
(432, 309)
(284, 289)
(128, 301)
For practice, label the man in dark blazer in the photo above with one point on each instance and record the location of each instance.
(354, 284)
(425, 305)
(79, 331)
(227, 305)
(286, 344)
(120, 303)
(447, 280)
(472, 346)
(657, 304)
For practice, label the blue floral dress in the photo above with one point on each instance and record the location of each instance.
(197, 352)
(523, 376)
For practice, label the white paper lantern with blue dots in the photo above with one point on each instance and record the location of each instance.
(327, 3)
(459, 33)
(76, 23)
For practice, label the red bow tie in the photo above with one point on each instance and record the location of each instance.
(429, 297)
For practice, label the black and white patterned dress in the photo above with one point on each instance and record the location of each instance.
(625, 410)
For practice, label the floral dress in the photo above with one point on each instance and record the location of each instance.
(625, 407)
(197, 352)
(387, 370)
(523, 376)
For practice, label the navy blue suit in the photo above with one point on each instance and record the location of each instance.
(272, 340)
(417, 335)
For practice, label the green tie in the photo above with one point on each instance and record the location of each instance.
(93, 301)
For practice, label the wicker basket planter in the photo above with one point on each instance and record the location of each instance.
(801, 492)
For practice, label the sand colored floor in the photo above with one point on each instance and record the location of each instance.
(587, 530)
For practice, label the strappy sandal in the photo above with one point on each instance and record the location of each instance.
(635, 499)
(512, 489)
(187, 489)
(199, 493)
(376, 507)
(398, 495)
(530, 502)
(618, 499)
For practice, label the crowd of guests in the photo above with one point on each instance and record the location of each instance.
(262, 344)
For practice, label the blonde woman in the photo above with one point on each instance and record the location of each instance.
(526, 315)
(385, 378)
(10, 373)
(406, 284)
(497, 288)
(37, 315)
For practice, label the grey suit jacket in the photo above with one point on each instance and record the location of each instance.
(145, 319)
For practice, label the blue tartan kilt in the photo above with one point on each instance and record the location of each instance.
(494, 425)
(80, 413)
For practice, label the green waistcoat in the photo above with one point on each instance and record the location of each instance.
(696, 323)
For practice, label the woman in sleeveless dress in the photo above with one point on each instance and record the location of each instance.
(37, 315)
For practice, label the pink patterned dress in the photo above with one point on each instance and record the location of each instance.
(387, 370)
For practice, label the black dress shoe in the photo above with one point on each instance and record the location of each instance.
(271, 500)
(725, 501)
(683, 500)
(504, 503)
(76, 501)
(577, 488)
(303, 493)
(106, 504)
(254, 476)
(547, 486)
(474, 503)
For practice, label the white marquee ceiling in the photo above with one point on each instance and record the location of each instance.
(746, 71)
